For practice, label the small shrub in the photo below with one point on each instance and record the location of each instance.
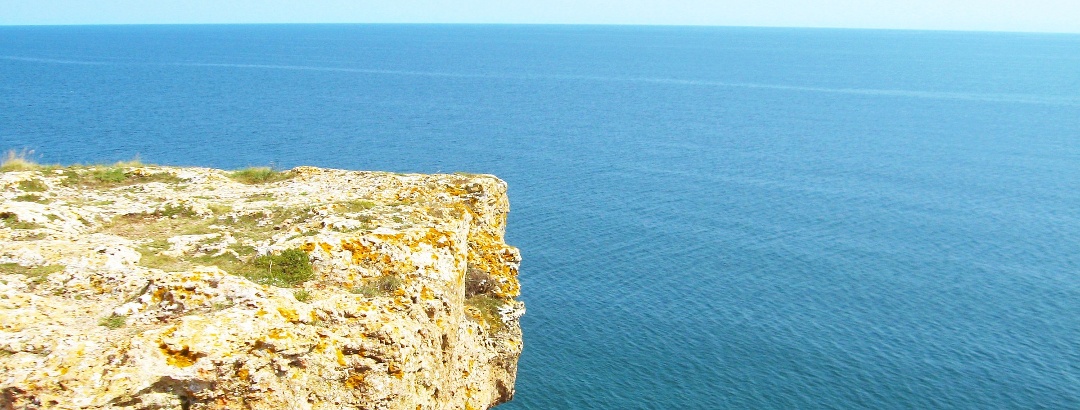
(287, 269)
(32, 185)
(259, 175)
(478, 282)
(113, 322)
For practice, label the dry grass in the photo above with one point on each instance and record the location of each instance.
(102, 176)
(383, 285)
(18, 161)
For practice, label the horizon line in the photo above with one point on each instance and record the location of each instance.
(951, 30)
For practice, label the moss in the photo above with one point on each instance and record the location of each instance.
(260, 175)
(171, 210)
(355, 205)
(489, 310)
(113, 322)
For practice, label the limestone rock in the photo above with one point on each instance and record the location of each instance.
(145, 287)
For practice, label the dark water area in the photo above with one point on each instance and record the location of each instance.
(709, 218)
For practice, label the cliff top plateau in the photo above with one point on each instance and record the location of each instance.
(146, 287)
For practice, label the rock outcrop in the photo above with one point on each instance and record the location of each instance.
(149, 287)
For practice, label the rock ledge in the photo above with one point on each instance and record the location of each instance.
(148, 287)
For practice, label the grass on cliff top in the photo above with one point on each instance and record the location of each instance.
(36, 274)
(260, 175)
(99, 176)
(32, 185)
(13, 222)
(18, 161)
(289, 268)
(284, 270)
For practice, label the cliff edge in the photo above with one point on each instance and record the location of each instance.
(145, 287)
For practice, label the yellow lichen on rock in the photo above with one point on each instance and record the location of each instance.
(158, 288)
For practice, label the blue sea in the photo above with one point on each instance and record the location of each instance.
(710, 218)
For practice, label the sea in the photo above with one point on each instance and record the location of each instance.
(710, 217)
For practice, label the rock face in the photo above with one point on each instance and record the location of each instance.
(149, 287)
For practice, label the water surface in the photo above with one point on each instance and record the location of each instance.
(710, 217)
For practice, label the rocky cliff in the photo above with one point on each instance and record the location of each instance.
(150, 287)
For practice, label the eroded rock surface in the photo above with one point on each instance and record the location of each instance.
(137, 287)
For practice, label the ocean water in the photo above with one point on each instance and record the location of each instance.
(710, 218)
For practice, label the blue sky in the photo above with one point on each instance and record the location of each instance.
(988, 15)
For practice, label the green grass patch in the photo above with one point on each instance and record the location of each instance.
(36, 274)
(171, 210)
(355, 205)
(220, 209)
(33, 198)
(489, 310)
(113, 322)
(302, 295)
(262, 196)
(13, 222)
(286, 269)
(114, 175)
(32, 185)
(259, 175)
(149, 226)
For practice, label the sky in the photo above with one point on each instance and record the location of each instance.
(978, 15)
